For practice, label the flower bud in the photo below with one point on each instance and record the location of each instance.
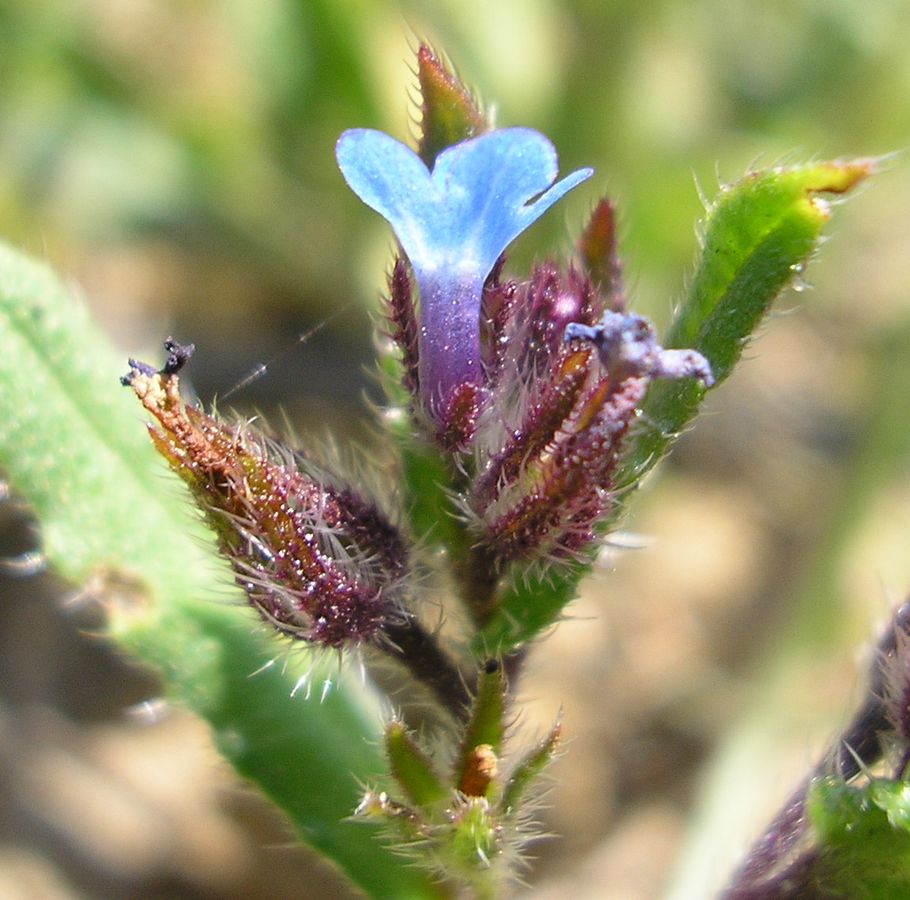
(316, 560)
(569, 388)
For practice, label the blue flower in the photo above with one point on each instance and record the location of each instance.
(453, 223)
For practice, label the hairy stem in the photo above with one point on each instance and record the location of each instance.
(418, 651)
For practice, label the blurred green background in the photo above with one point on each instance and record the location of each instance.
(173, 161)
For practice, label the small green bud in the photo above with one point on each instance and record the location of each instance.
(413, 770)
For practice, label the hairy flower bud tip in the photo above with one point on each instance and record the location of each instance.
(449, 113)
(597, 248)
(453, 223)
(318, 562)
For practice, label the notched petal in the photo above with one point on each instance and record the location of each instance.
(500, 174)
(391, 179)
(472, 205)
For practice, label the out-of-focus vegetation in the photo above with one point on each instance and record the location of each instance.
(175, 160)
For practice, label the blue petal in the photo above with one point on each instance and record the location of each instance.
(473, 204)
(453, 223)
(489, 180)
(390, 178)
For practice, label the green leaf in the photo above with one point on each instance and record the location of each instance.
(526, 772)
(73, 445)
(758, 236)
(425, 478)
(487, 725)
(863, 840)
(893, 797)
(427, 483)
(531, 604)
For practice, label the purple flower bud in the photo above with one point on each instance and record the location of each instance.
(317, 561)
(453, 223)
(892, 685)
(547, 449)
(403, 325)
(598, 252)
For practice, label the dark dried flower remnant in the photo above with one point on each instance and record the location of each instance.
(628, 346)
(318, 562)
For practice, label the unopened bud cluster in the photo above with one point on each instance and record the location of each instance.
(470, 819)
(318, 561)
(528, 386)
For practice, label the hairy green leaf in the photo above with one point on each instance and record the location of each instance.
(72, 443)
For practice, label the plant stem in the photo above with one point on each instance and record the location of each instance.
(416, 649)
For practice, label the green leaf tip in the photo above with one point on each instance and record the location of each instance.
(450, 114)
(526, 771)
(758, 236)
